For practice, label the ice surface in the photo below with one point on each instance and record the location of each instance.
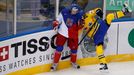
(118, 68)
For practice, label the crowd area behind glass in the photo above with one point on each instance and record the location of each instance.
(36, 14)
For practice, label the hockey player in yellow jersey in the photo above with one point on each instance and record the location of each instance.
(98, 28)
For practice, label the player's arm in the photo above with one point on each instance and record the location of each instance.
(81, 21)
(58, 21)
(89, 18)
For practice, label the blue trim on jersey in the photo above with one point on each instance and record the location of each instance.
(74, 51)
(59, 48)
(26, 33)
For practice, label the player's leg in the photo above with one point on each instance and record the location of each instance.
(119, 14)
(102, 59)
(60, 41)
(111, 16)
(73, 44)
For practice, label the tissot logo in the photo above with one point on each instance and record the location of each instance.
(23, 48)
(19, 53)
(4, 53)
(27, 47)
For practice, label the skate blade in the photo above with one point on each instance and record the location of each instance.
(52, 70)
(104, 71)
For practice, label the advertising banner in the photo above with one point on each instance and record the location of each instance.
(117, 4)
(28, 51)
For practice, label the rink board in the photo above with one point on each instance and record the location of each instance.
(28, 55)
(66, 64)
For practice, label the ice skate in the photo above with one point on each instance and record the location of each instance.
(103, 67)
(76, 66)
(54, 67)
(126, 8)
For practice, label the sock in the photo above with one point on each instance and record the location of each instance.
(73, 58)
(57, 56)
(100, 54)
(102, 59)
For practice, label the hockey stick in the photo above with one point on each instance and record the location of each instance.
(65, 57)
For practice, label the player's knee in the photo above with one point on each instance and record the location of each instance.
(109, 18)
(111, 15)
(73, 51)
(59, 48)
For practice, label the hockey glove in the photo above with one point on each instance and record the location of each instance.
(99, 13)
(55, 25)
